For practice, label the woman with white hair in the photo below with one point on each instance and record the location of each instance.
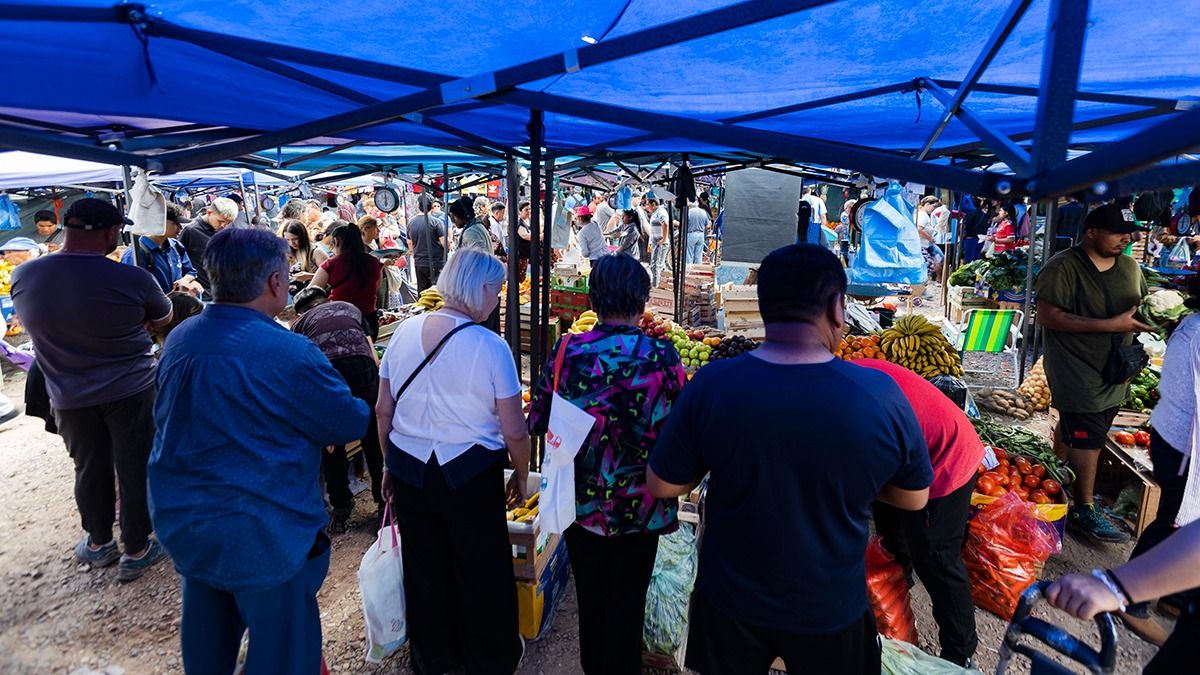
(449, 406)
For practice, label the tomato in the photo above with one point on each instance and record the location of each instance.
(1022, 493)
(1003, 468)
(1039, 497)
(1124, 438)
(985, 485)
(1051, 486)
(997, 492)
(1038, 470)
(981, 470)
(1000, 453)
(1014, 478)
(1031, 481)
(997, 478)
(1142, 438)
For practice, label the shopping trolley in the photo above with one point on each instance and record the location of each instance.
(1098, 663)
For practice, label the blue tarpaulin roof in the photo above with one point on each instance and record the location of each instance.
(858, 84)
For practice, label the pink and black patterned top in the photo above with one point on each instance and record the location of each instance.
(628, 382)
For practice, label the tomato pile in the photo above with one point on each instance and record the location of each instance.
(1020, 475)
(1138, 438)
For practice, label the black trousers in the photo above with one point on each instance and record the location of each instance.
(930, 542)
(1181, 652)
(1166, 460)
(611, 578)
(720, 645)
(101, 438)
(458, 583)
(362, 375)
(426, 276)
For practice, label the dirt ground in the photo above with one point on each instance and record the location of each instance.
(60, 617)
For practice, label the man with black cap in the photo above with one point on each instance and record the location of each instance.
(1087, 299)
(88, 317)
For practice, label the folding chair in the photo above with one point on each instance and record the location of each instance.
(991, 331)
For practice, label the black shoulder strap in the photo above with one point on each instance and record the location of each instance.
(429, 357)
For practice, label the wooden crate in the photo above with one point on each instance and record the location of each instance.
(1120, 465)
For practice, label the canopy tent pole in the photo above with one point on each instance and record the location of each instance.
(1062, 59)
(446, 213)
(536, 176)
(512, 315)
(1026, 335)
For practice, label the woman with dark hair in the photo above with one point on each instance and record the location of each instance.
(1004, 237)
(352, 274)
(627, 381)
(303, 259)
(630, 231)
(184, 306)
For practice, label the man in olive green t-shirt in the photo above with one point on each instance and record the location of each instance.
(1080, 323)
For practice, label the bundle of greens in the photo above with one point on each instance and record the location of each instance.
(1008, 270)
(965, 275)
(1143, 391)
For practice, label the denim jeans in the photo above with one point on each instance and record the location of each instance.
(658, 260)
(695, 248)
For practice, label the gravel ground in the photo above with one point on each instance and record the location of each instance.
(60, 617)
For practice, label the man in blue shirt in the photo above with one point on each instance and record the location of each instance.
(245, 410)
(165, 258)
(782, 565)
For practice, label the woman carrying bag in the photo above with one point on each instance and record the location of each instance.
(627, 382)
(449, 405)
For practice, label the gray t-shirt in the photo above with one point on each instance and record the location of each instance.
(87, 315)
(602, 215)
(658, 224)
(424, 233)
(698, 220)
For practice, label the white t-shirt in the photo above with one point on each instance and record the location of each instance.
(818, 208)
(451, 405)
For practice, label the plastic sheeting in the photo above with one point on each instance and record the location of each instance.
(890, 252)
(760, 214)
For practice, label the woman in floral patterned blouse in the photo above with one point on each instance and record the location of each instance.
(627, 381)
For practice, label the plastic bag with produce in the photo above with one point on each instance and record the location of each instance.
(887, 589)
(1005, 549)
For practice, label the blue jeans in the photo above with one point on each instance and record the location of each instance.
(658, 260)
(695, 248)
(284, 623)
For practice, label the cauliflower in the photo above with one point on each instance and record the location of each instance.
(1163, 307)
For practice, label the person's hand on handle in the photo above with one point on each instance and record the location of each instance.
(1082, 596)
(385, 486)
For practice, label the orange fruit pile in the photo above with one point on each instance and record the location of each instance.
(854, 347)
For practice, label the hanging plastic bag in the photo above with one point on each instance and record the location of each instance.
(1180, 255)
(568, 431)
(381, 584)
(10, 214)
(1005, 549)
(891, 249)
(955, 389)
(887, 589)
(902, 658)
(147, 208)
(669, 595)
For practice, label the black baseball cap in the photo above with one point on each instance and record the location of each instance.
(1114, 218)
(93, 214)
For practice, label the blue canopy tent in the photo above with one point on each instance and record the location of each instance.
(979, 96)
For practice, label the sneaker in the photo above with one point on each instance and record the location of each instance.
(339, 520)
(96, 557)
(9, 416)
(131, 568)
(1089, 522)
(1146, 627)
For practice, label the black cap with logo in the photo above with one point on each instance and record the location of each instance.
(1114, 218)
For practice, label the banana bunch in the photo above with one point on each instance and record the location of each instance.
(6, 269)
(524, 513)
(917, 344)
(430, 300)
(585, 322)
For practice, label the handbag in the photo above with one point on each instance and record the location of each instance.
(567, 431)
(1124, 362)
(381, 585)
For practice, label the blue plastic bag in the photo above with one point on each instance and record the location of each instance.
(10, 215)
(891, 248)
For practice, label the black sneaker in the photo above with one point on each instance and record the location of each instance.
(1089, 522)
(339, 521)
(97, 557)
(132, 568)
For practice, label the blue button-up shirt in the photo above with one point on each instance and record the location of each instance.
(167, 264)
(245, 408)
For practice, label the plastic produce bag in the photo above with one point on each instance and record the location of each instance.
(148, 208)
(1005, 548)
(953, 387)
(887, 590)
(891, 251)
(902, 658)
(381, 583)
(669, 596)
(1181, 254)
(10, 214)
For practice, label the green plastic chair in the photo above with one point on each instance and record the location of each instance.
(991, 331)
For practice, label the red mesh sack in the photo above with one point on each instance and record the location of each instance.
(887, 589)
(1004, 551)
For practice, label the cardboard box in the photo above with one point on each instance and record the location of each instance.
(538, 600)
(1122, 465)
(531, 546)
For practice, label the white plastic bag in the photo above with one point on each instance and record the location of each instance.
(147, 208)
(381, 583)
(567, 432)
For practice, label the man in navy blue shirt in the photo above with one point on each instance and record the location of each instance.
(165, 258)
(244, 412)
(793, 477)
